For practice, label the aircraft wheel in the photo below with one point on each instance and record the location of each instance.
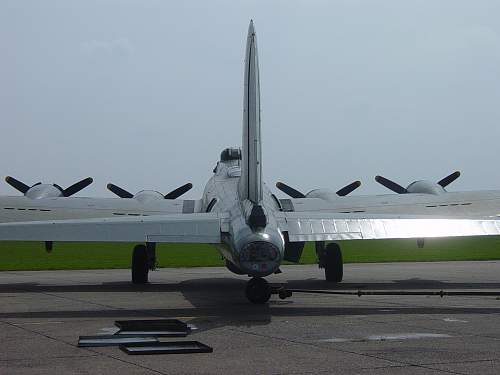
(258, 290)
(140, 265)
(334, 265)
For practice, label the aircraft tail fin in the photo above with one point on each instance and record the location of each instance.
(250, 186)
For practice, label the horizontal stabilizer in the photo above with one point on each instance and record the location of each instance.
(314, 226)
(192, 228)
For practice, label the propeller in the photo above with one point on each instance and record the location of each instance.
(449, 179)
(18, 185)
(395, 187)
(348, 189)
(76, 187)
(174, 194)
(69, 191)
(122, 193)
(391, 185)
(288, 190)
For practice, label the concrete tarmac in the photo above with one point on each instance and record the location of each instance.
(42, 314)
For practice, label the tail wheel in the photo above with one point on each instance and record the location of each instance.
(140, 265)
(334, 265)
(258, 290)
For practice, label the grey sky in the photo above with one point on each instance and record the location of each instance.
(146, 94)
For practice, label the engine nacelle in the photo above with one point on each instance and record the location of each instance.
(325, 194)
(148, 195)
(425, 187)
(44, 191)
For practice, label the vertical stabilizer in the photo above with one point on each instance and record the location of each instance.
(251, 168)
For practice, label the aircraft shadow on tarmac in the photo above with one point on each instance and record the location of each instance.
(208, 288)
(217, 302)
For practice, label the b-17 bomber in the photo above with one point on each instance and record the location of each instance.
(253, 229)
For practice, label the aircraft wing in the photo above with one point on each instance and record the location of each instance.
(323, 226)
(451, 205)
(188, 228)
(21, 209)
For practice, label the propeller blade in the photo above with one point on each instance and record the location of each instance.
(122, 193)
(349, 188)
(16, 184)
(449, 179)
(289, 190)
(75, 188)
(174, 194)
(58, 188)
(391, 185)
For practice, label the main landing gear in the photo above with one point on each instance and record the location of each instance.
(258, 290)
(330, 258)
(143, 260)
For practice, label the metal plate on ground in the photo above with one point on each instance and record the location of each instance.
(153, 333)
(170, 347)
(113, 340)
(172, 325)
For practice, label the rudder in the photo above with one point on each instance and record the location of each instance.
(250, 186)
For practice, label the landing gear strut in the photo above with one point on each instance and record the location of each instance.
(330, 258)
(143, 260)
(258, 290)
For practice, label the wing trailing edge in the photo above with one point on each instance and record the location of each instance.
(304, 226)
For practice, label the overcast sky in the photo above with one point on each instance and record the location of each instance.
(145, 94)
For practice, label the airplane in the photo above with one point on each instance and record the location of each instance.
(252, 229)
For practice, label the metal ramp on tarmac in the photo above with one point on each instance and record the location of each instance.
(142, 337)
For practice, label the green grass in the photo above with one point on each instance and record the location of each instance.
(32, 256)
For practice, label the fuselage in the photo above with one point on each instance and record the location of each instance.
(254, 250)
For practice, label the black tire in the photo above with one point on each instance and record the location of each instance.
(258, 291)
(334, 265)
(140, 266)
